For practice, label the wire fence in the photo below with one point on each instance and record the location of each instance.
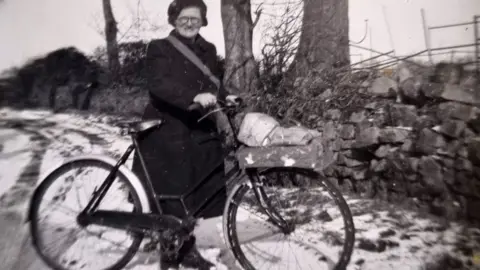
(392, 59)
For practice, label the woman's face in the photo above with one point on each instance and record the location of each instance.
(189, 22)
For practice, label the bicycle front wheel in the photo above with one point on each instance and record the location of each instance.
(321, 235)
(56, 235)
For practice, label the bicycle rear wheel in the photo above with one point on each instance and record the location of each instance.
(324, 233)
(56, 236)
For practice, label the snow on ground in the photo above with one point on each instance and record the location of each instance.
(14, 149)
(387, 237)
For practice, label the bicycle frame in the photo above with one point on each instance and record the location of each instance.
(152, 220)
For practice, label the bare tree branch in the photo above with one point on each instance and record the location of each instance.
(258, 13)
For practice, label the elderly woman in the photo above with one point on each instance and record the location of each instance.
(182, 151)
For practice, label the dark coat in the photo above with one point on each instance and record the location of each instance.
(181, 152)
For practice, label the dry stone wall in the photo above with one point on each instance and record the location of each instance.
(416, 139)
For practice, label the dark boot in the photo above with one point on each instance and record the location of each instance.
(168, 264)
(190, 257)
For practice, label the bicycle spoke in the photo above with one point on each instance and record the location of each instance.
(302, 207)
(62, 242)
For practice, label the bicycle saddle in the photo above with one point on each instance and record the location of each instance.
(139, 126)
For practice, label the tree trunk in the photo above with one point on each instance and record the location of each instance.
(241, 74)
(111, 38)
(324, 41)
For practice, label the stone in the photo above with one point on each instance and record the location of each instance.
(475, 123)
(469, 81)
(398, 161)
(463, 165)
(413, 163)
(450, 149)
(358, 117)
(363, 125)
(383, 87)
(383, 151)
(452, 128)
(393, 135)
(359, 174)
(424, 121)
(341, 159)
(347, 131)
(378, 166)
(348, 153)
(344, 171)
(330, 171)
(333, 114)
(337, 144)
(447, 208)
(449, 176)
(367, 137)
(429, 141)
(352, 162)
(402, 115)
(462, 152)
(379, 119)
(473, 146)
(432, 90)
(448, 163)
(447, 73)
(403, 73)
(461, 94)
(349, 162)
(320, 124)
(407, 146)
(411, 177)
(371, 106)
(347, 144)
(416, 189)
(455, 110)
(431, 173)
(329, 131)
(411, 88)
(468, 133)
(465, 185)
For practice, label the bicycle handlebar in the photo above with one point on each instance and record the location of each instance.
(196, 106)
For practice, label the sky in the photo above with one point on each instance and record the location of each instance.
(30, 28)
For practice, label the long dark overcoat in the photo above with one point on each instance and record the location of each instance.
(182, 151)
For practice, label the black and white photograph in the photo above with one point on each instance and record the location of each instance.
(240, 135)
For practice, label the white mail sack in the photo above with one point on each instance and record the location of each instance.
(256, 128)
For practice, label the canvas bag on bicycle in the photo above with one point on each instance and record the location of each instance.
(256, 129)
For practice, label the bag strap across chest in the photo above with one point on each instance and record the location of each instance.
(194, 59)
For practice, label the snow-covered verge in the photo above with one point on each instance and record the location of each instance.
(388, 236)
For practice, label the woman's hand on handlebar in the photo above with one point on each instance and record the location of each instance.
(230, 101)
(205, 99)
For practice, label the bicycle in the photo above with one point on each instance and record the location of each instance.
(137, 220)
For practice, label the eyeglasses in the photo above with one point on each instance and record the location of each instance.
(193, 20)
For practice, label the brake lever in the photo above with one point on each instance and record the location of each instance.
(217, 109)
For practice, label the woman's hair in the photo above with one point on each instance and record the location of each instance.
(177, 6)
